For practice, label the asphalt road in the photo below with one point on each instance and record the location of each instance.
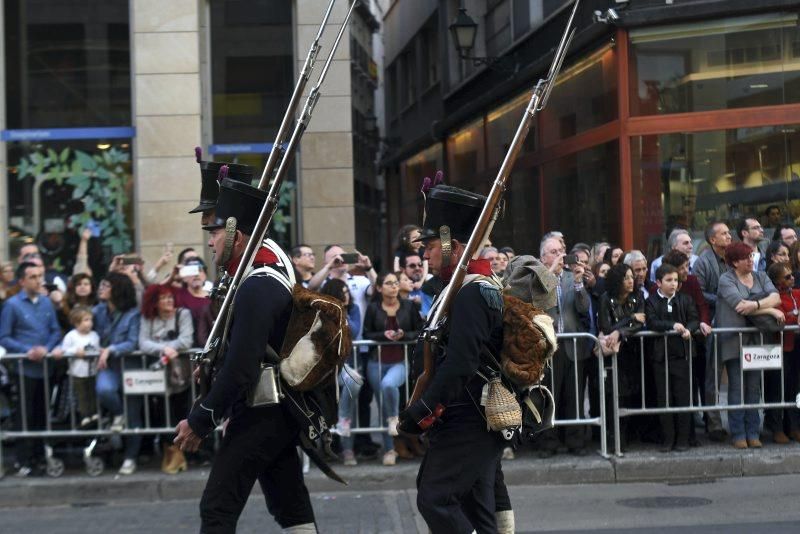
(731, 505)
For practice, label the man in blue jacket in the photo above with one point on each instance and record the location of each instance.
(28, 325)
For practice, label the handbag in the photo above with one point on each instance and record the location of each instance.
(179, 370)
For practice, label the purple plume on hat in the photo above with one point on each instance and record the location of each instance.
(426, 184)
(198, 154)
(439, 178)
(223, 173)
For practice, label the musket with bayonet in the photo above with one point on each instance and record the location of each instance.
(282, 155)
(435, 326)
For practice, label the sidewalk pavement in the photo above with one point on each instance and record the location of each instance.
(644, 463)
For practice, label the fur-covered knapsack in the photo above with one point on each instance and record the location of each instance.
(529, 343)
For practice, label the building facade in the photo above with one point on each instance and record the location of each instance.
(104, 101)
(664, 114)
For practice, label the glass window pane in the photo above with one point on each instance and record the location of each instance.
(581, 195)
(67, 63)
(501, 125)
(412, 172)
(465, 154)
(722, 64)
(691, 179)
(585, 96)
(252, 69)
(57, 189)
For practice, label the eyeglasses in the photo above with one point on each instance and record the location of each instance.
(413, 265)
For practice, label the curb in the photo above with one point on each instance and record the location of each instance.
(703, 464)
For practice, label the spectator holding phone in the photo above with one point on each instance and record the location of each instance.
(152, 275)
(116, 321)
(391, 319)
(131, 266)
(193, 295)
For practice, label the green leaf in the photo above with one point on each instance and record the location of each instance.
(64, 156)
(85, 161)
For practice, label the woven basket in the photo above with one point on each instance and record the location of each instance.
(502, 408)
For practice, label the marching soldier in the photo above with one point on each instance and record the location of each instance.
(458, 496)
(259, 443)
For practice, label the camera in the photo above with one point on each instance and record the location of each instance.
(189, 270)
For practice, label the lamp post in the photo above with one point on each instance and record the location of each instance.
(463, 30)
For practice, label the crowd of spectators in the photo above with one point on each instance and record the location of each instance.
(96, 319)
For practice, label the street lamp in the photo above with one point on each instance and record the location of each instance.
(463, 29)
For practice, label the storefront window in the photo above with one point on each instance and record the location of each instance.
(252, 78)
(501, 125)
(720, 64)
(580, 195)
(584, 97)
(691, 179)
(67, 63)
(252, 68)
(466, 157)
(57, 189)
(68, 66)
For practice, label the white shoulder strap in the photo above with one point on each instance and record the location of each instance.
(286, 276)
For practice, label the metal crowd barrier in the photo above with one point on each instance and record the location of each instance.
(139, 362)
(573, 338)
(154, 385)
(712, 350)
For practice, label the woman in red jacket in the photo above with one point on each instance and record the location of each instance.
(787, 420)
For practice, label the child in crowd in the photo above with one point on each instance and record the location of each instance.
(79, 341)
(666, 310)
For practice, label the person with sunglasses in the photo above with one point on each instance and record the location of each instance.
(785, 423)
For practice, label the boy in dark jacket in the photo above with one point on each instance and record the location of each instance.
(666, 310)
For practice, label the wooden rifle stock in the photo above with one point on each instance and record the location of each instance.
(434, 328)
(425, 377)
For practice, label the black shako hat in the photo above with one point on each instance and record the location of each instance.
(240, 200)
(209, 172)
(454, 207)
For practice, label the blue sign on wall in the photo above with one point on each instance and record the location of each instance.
(55, 134)
(241, 148)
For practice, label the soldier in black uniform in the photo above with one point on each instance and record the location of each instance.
(456, 479)
(258, 443)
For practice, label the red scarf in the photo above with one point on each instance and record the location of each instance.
(264, 255)
(482, 267)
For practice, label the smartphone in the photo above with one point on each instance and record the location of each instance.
(94, 227)
(189, 270)
(131, 260)
(570, 259)
(350, 258)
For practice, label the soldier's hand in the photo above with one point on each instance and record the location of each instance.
(185, 438)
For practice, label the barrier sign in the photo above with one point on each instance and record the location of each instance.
(759, 357)
(143, 382)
